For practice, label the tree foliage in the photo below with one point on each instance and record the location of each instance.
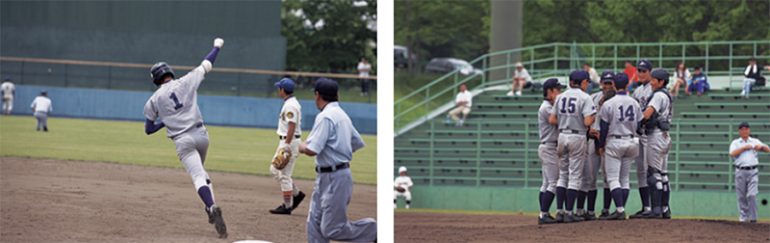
(334, 46)
(461, 28)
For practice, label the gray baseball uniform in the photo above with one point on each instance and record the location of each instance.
(571, 108)
(622, 113)
(658, 142)
(746, 177)
(176, 104)
(641, 94)
(547, 149)
(593, 160)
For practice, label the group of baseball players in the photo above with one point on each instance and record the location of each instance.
(332, 142)
(41, 106)
(581, 134)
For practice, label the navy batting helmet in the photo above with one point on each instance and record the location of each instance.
(160, 70)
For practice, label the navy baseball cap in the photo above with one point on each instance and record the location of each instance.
(608, 76)
(326, 87)
(285, 84)
(578, 75)
(660, 74)
(644, 64)
(551, 83)
(621, 80)
(743, 124)
(7, 78)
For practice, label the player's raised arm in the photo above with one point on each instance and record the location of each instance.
(194, 78)
(208, 61)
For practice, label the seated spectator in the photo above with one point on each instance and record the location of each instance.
(681, 77)
(752, 74)
(699, 83)
(593, 75)
(630, 71)
(463, 103)
(520, 78)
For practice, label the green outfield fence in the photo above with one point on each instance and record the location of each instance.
(719, 58)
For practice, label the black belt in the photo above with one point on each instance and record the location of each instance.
(622, 136)
(284, 137)
(746, 168)
(332, 168)
(572, 131)
(200, 124)
(547, 142)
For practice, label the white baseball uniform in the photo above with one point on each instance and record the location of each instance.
(291, 112)
(8, 90)
(406, 183)
(42, 105)
(571, 108)
(746, 177)
(641, 94)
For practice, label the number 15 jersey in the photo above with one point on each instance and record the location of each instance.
(176, 103)
(622, 113)
(571, 108)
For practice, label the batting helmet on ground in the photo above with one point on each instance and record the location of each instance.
(160, 70)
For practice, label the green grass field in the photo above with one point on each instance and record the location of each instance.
(240, 150)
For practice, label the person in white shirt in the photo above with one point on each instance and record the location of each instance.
(681, 77)
(289, 133)
(463, 102)
(594, 77)
(402, 184)
(363, 72)
(752, 73)
(8, 90)
(520, 78)
(41, 106)
(744, 151)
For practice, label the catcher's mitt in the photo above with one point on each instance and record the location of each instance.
(281, 158)
(400, 189)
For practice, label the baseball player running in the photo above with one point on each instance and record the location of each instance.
(642, 94)
(8, 90)
(619, 117)
(289, 132)
(549, 136)
(573, 112)
(41, 106)
(175, 106)
(594, 160)
(402, 184)
(656, 123)
(744, 151)
(333, 141)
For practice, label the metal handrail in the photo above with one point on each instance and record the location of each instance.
(552, 58)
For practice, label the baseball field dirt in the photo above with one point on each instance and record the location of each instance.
(44, 200)
(451, 227)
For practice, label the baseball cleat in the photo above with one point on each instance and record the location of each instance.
(641, 214)
(604, 215)
(281, 210)
(560, 217)
(617, 216)
(589, 216)
(569, 218)
(547, 219)
(215, 218)
(667, 214)
(297, 200)
(651, 215)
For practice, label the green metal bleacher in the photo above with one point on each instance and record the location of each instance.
(497, 145)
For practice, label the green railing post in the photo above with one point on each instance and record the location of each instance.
(730, 66)
(615, 58)
(478, 153)
(532, 60)
(593, 55)
(484, 69)
(508, 66)
(729, 165)
(660, 55)
(678, 141)
(526, 154)
(555, 57)
(683, 53)
(638, 57)
(430, 153)
(707, 58)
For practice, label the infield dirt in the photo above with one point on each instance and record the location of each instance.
(44, 200)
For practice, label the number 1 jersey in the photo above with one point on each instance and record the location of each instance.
(176, 103)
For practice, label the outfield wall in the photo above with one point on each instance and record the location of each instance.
(216, 110)
(683, 203)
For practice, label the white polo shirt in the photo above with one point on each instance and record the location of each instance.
(748, 157)
(464, 96)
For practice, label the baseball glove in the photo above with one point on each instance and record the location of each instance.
(281, 158)
(400, 189)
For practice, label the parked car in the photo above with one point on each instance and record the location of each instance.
(401, 56)
(445, 65)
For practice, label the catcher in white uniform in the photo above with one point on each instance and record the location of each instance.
(402, 184)
(289, 133)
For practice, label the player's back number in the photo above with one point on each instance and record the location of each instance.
(568, 108)
(177, 105)
(628, 115)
